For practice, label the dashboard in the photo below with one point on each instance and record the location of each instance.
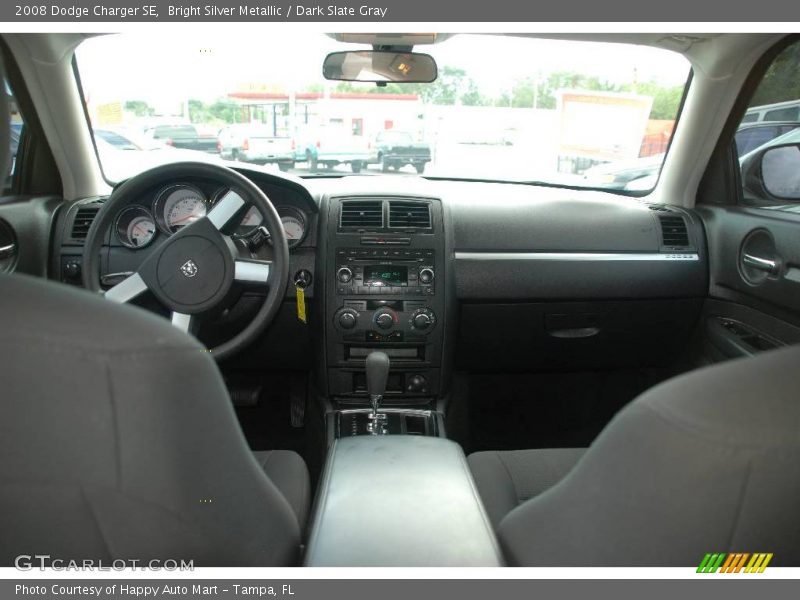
(501, 276)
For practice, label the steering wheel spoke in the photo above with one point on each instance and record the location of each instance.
(127, 289)
(183, 321)
(225, 209)
(252, 271)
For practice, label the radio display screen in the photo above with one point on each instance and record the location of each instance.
(385, 275)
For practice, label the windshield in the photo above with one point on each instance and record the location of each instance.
(505, 108)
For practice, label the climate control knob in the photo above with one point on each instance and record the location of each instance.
(422, 320)
(385, 318)
(426, 276)
(344, 275)
(347, 318)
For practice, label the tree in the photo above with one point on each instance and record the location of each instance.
(666, 100)
(451, 87)
(780, 82)
(140, 108)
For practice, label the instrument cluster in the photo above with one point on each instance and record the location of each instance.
(178, 205)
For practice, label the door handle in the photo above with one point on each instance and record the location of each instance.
(762, 264)
(8, 250)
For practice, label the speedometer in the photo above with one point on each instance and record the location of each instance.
(178, 206)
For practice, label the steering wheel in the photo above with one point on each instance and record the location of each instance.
(195, 269)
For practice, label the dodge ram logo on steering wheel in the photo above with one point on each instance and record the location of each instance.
(189, 268)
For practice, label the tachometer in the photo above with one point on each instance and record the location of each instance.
(135, 227)
(178, 206)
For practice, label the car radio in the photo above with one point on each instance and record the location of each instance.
(385, 271)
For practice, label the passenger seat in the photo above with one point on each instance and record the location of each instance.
(705, 462)
(507, 479)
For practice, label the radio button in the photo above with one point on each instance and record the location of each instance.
(344, 274)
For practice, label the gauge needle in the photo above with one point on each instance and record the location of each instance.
(186, 218)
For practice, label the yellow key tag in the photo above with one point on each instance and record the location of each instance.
(301, 303)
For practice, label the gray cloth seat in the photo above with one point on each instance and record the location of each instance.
(706, 462)
(288, 471)
(507, 479)
(119, 440)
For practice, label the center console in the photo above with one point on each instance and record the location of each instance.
(399, 501)
(385, 291)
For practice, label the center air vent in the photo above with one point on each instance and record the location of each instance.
(409, 215)
(83, 220)
(673, 231)
(361, 214)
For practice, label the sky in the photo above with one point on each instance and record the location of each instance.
(157, 66)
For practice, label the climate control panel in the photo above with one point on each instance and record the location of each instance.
(384, 320)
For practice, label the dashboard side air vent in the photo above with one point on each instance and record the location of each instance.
(83, 220)
(673, 231)
(361, 214)
(409, 215)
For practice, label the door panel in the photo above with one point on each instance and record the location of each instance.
(753, 235)
(750, 309)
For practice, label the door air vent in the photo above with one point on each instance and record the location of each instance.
(361, 214)
(673, 231)
(409, 215)
(83, 220)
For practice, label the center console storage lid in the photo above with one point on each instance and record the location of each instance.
(399, 500)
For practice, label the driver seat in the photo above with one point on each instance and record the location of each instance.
(119, 441)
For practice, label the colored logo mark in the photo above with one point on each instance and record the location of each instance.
(734, 562)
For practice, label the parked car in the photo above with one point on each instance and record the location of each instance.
(331, 145)
(642, 173)
(778, 111)
(255, 143)
(396, 149)
(183, 136)
(753, 135)
(619, 174)
(122, 160)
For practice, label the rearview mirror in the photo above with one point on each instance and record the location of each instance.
(780, 171)
(376, 66)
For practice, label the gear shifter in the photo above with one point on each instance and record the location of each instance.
(377, 366)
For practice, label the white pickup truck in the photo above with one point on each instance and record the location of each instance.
(331, 145)
(255, 143)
